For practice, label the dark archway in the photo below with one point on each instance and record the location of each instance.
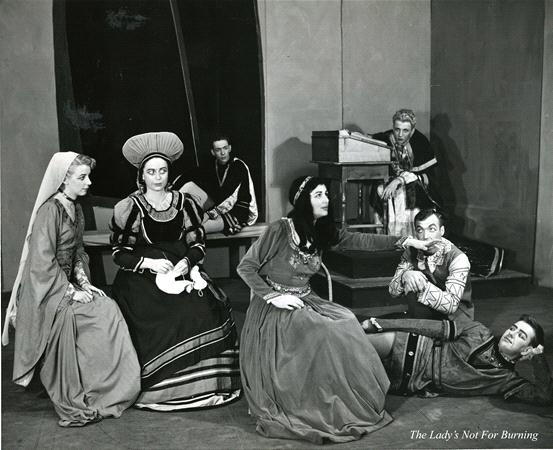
(119, 72)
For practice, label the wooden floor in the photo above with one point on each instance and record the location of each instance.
(29, 421)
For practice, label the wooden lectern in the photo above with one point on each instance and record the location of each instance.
(345, 158)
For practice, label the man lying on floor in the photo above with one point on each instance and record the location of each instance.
(461, 357)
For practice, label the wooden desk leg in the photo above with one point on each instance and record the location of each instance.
(385, 212)
(343, 187)
(360, 204)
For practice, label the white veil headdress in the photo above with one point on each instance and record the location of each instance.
(51, 181)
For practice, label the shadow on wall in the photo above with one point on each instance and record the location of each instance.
(449, 173)
(290, 161)
(353, 128)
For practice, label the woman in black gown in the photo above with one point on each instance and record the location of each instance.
(186, 341)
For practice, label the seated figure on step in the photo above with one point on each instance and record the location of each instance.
(436, 282)
(411, 186)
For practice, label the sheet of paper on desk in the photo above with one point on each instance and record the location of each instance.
(362, 137)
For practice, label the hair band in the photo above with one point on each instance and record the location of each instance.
(301, 188)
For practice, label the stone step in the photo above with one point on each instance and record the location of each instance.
(362, 264)
(373, 292)
(484, 259)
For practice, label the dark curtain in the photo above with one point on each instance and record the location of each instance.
(119, 73)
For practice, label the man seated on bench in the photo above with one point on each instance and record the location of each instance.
(436, 282)
(225, 190)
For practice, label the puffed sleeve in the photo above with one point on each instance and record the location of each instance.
(125, 230)
(259, 254)
(396, 287)
(193, 232)
(237, 197)
(447, 301)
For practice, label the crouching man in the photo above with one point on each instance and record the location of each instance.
(436, 282)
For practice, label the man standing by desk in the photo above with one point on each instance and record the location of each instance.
(225, 190)
(410, 185)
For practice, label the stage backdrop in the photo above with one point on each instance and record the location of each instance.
(486, 101)
(28, 118)
(330, 64)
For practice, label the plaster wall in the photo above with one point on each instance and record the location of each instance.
(543, 260)
(301, 64)
(486, 106)
(386, 62)
(330, 64)
(28, 118)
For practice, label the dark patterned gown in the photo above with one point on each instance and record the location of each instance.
(186, 343)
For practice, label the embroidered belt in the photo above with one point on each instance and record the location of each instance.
(292, 290)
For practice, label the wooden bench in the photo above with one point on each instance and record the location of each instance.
(245, 238)
(97, 242)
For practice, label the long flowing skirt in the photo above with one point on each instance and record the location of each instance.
(186, 344)
(90, 368)
(311, 373)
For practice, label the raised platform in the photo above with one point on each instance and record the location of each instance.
(363, 264)
(373, 292)
(485, 259)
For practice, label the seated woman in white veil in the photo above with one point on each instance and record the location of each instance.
(66, 328)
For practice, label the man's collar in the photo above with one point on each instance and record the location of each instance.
(500, 356)
(219, 164)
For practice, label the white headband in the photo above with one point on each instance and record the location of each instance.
(301, 188)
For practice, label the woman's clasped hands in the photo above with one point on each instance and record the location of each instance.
(182, 267)
(165, 266)
(157, 265)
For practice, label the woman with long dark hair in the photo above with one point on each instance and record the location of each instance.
(308, 370)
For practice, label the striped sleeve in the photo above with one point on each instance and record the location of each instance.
(396, 284)
(193, 231)
(447, 301)
(125, 225)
